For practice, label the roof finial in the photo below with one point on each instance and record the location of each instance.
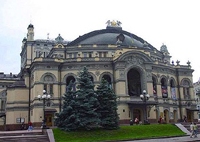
(47, 35)
(113, 24)
(30, 19)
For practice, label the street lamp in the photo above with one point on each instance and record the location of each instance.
(198, 107)
(44, 97)
(145, 97)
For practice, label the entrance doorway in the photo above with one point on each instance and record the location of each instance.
(189, 116)
(166, 116)
(175, 116)
(136, 113)
(49, 120)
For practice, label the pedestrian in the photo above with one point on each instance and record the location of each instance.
(184, 119)
(131, 122)
(191, 130)
(22, 126)
(136, 121)
(160, 120)
(195, 130)
(30, 127)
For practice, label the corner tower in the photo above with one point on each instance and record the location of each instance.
(30, 34)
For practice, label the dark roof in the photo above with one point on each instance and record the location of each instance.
(110, 36)
(8, 76)
(30, 26)
(20, 83)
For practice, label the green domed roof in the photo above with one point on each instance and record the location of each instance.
(111, 36)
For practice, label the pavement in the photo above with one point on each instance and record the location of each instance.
(171, 139)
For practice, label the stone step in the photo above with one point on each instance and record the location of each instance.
(187, 126)
(25, 138)
(21, 132)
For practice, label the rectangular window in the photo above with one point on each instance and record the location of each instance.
(104, 54)
(84, 54)
(186, 92)
(90, 54)
(70, 55)
(51, 88)
(48, 88)
(45, 87)
(100, 54)
(37, 53)
(75, 55)
(2, 105)
(44, 54)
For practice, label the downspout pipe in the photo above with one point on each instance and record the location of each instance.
(179, 96)
(29, 94)
(60, 83)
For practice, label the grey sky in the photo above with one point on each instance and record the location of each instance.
(172, 22)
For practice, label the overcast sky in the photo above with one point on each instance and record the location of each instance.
(176, 23)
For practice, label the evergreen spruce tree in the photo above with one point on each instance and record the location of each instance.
(107, 106)
(87, 102)
(66, 119)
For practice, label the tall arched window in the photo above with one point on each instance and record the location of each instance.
(92, 79)
(164, 88)
(48, 84)
(173, 89)
(108, 79)
(134, 83)
(186, 89)
(68, 80)
(154, 86)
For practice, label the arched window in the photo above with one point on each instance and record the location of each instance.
(92, 79)
(108, 79)
(186, 89)
(154, 86)
(48, 84)
(134, 83)
(173, 89)
(164, 88)
(68, 80)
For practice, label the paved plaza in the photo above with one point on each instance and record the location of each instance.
(172, 139)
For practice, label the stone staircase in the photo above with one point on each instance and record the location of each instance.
(24, 136)
(187, 126)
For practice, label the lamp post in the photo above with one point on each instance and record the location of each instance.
(198, 107)
(44, 97)
(145, 97)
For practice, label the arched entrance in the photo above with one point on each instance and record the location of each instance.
(134, 83)
(137, 113)
(175, 116)
(189, 116)
(166, 116)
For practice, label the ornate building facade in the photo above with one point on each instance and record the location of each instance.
(197, 97)
(129, 63)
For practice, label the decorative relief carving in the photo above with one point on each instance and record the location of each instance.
(149, 76)
(97, 67)
(97, 72)
(134, 60)
(121, 73)
(120, 65)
